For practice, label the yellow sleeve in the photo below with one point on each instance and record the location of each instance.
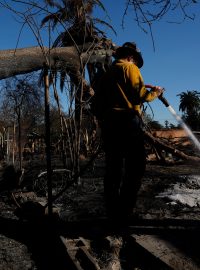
(137, 84)
(147, 96)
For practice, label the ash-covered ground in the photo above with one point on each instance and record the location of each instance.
(25, 242)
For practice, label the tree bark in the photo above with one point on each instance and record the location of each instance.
(25, 60)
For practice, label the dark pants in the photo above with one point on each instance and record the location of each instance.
(125, 162)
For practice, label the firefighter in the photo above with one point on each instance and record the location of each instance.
(117, 106)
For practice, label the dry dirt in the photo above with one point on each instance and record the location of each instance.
(26, 243)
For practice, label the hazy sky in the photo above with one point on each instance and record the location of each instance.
(174, 64)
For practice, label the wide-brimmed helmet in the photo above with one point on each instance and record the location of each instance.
(130, 48)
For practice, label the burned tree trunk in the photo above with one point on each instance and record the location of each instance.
(21, 61)
(26, 60)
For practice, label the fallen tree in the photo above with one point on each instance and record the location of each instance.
(25, 60)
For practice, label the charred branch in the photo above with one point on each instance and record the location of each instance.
(160, 145)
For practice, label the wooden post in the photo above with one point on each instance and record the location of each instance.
(19, 139)
(7, 146)
(13, 145)
(48, 140)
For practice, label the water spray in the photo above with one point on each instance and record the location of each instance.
(178, 118)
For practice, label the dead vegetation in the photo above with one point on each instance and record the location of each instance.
(77, 205)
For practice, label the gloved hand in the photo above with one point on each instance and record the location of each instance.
(158, 89)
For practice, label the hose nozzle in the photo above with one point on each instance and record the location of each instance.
(164, 101)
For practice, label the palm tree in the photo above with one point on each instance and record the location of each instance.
(190, 106)
(76, 16)
(79, 29)
(189, 102)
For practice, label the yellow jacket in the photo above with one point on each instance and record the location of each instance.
(122, 88)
